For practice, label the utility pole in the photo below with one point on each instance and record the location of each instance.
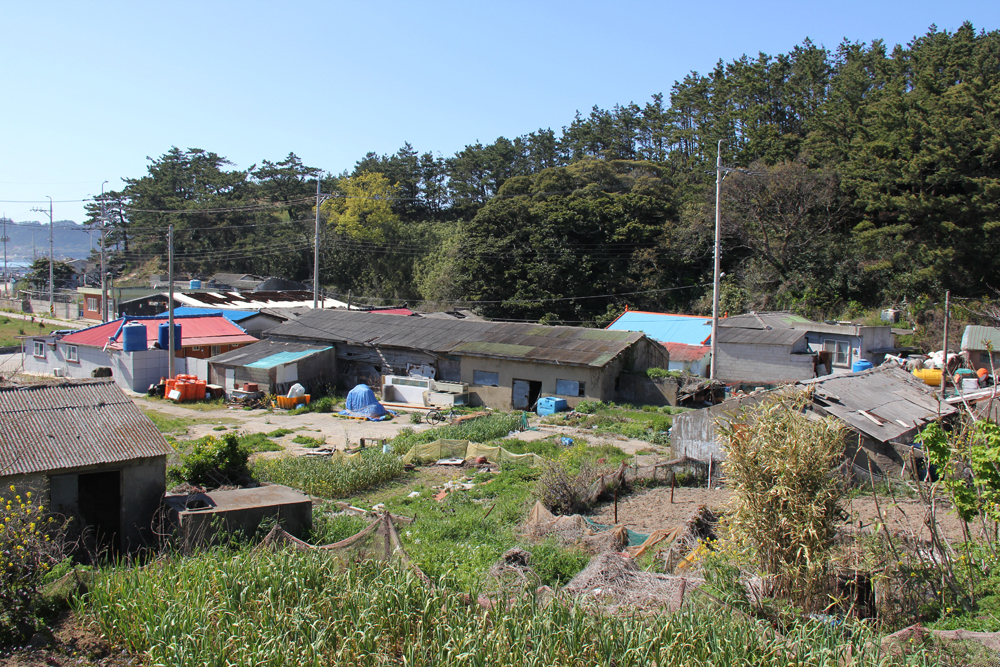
(170, 301)
(52, 308)
(6, 274)
(944, 367)
(104, 271)
(319, 200)
(718, 264)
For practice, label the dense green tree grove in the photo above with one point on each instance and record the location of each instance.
(862, 174)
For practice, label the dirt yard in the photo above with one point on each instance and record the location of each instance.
(649, 510)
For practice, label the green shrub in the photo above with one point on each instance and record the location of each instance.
(214, 462)
(554, 564)
(278, 432)
(308, 441)
(653, 373)
(259, 442)
(589, 407)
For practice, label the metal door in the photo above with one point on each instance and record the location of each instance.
(519, 399)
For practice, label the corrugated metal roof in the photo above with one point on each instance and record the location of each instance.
(733, 335)
(981, 338)
(265, 349)
(72, 424)
(682, 352)
(666, 327)
(897, 403)
(560, 345)
(284, 358)
(195, 330)
(774, 320)
(231, 315)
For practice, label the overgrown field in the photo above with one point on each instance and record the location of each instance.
(290, 608)
(328, 477)
(648, 422)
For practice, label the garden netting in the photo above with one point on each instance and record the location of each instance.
(463, 449)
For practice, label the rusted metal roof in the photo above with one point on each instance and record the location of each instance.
(886, 403)
(50, 427)
(510, 340)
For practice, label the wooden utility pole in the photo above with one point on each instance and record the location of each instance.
(947, 312)
(170, 302)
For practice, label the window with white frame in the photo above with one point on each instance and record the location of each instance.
(72, 353)
(570, 388)
(39, 348)
(216, 349)
(196, 348)
(92, 303)
(841, 351)
(486, 378)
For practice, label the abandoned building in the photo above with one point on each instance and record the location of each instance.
(504, 365)
(981, 347)
(136, 358)
(883, 409)
(274, 366)
(686, 337)
(88, 453)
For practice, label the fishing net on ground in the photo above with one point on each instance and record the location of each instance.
(572, 531)
(614, 582)
(378, 541)
(510, 576)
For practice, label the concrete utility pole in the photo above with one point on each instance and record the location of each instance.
(6, 274)
(170, 301)
(52, 307)
(104, 270)
(320, 198)
(944, 368)
(718, 264)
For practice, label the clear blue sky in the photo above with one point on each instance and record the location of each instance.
(91, 89)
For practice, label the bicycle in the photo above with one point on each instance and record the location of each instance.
(435, 416)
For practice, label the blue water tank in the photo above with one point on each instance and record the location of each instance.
(134, 337)
(861, 365)
(195, 284)
(550, 404)
(162, 336)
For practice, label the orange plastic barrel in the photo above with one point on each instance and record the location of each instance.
(187, 392)
(170, 385)
(190, 390)
(199, 389)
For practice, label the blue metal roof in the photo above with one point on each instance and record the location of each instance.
(284, 358)
(666, 327)
(231, 315)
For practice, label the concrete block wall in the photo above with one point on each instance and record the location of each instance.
(762, 363)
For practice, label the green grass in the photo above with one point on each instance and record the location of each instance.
(210, 405)
(481, 429)
(308, 442)
(170, 424)
(12, 326)
(278, 432)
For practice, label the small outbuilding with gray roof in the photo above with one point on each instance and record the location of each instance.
(505, 364)
(86, 452)
(275, 366)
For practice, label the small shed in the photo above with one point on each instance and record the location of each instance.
(88, 453)
(981, 347)
(199, 516)
(274, 366)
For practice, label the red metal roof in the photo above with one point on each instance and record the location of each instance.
(683, 352)
(206, 330)
(392, 311)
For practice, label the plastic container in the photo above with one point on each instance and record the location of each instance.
(162, 336)
(861, 365)
(931, 376)
(171, 385)
(970, 384)
(550, 404)
(194, 284)
(199, 390)
(134, 337)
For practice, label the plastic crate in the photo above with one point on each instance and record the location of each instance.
(550, 405)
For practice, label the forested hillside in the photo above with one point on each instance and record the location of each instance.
(869, 175)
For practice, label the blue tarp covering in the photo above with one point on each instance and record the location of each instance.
(666, 327)
(231, 315)
(361, 402)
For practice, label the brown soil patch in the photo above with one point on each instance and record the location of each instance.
(651, 510)
(72, 644)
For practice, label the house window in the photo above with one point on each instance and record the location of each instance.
(486, 378)
(216, 349)
(196, 348)
(570, 388)
(72, 354)
(841, 351)
(91, 303)
(39, 350)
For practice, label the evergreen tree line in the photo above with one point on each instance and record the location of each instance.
(854, 175)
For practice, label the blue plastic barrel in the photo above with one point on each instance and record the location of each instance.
(195, 284)
(162, 336)
(861, 365)
(134, 337)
